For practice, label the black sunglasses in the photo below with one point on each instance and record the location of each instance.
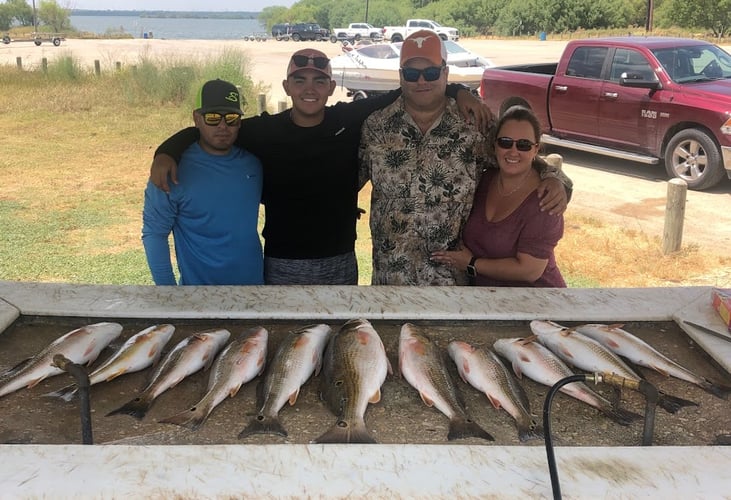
(430, 74)
(520, 144)
(213, 119)
(303, 61)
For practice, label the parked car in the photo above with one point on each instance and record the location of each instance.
(356, 32)
(644, 99)
(399, 33)
(308, 31)
(280, 31)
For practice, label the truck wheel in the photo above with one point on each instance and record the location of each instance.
(443, 37)
(359, 94)
(357, 37)
(397, 38)
(296, 37)
(693, 155)
(333, 39)
(6, 39)
(37, 42)
(56, 42)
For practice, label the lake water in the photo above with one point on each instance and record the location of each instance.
(194, 29)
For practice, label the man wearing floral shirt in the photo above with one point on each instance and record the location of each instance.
(424, 162)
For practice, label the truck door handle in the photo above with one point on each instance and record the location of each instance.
(611, 95)
(561, 88)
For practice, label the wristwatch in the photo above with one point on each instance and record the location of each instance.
(471, 270)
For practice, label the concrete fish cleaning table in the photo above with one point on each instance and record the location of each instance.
(378, 471)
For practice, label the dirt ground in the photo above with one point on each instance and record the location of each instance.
(400, 417)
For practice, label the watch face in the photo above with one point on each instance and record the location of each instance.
(471, 271)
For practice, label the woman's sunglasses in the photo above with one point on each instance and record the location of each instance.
(430, 74)
(520, 144)
(213, 119)
(303, 61)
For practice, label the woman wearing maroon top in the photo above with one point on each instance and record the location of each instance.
(507, 239)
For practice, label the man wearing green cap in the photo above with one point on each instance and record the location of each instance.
(213, 210)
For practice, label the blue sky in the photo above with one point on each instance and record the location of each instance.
(237, 5)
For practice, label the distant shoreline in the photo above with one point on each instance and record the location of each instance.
(168, 14)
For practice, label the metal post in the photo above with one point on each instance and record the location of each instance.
(44, 65)
(366, 13)
(262, 101)
(97, 67)
(19, 62)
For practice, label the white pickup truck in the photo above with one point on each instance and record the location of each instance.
(398, 33)
(356, 32)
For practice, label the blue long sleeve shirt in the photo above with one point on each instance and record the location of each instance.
(212, 213)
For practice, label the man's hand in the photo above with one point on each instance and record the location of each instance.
(475, 111)
(552, 195)
(162, 165)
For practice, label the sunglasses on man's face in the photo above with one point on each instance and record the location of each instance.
(520, 144)
(430, 74)
(302, 61)
(213, 119)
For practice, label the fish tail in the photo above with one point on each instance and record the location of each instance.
(620, 416)
(192, 418)
(718, 390)
(136, 408)
(347, 432)
(66, 393)
(460, 428)
(261, 424)
(529, 433)
(672, 404)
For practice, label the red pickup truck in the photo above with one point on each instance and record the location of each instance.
(642, 99)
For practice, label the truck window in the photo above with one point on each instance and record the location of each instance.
(587, 62)
(631, 62)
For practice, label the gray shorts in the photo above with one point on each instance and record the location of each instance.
(337, 270)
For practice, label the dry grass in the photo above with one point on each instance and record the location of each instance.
(76, 156)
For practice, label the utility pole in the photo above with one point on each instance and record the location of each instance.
(366, 14)
(648, 23)
(35, 18)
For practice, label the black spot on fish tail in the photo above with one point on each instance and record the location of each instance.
(262, 424)
(718, 390)
(620, 416)
(672, 404)
(530, 433)
(192, 419)
(66, 393)
(346, 432)
(14, 370)
(460, 428)
(136, 408)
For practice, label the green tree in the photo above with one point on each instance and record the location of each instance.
(53, 15)
(20, 11)
(6, 17)
(712, 15)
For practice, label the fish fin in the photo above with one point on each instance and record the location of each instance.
(66, 393)
(388, 365)
(530, 433)
(613, 344)
(615, 326)
(293, 397)
(528, 340)
(567, 353)
(620, 416)
(208, 361)
(465, 369)
(115, 374)
(376, 397)
(518, 372)
(460, 428)
(89, 350)
(495, 402)
(347, 432)
(35, 382)
(672, 404)
(192, 418)
(718, 390)
(262, 424)
(136, 408)
(234, 391)
(9, 372)
(426, 399)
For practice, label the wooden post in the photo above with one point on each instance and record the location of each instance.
(672, 235)
(44, 65)
(262, 102)
(118, 65)
(282, 105)
(97, 67)
(19, 62)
